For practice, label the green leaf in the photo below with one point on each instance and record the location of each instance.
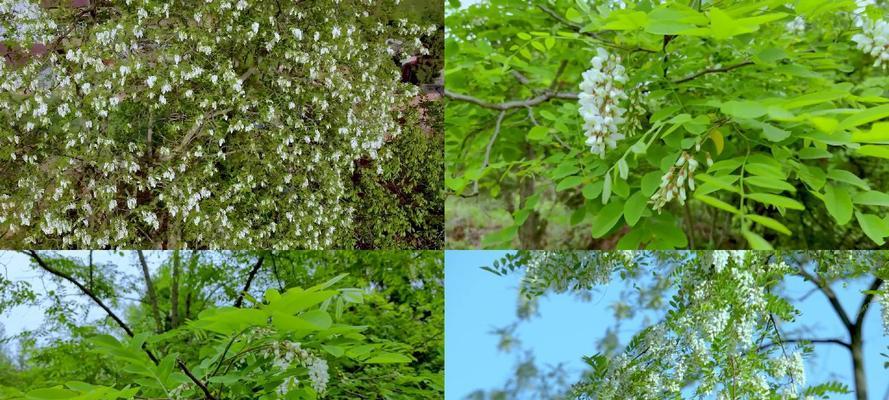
(538, 132)
(769, 223)
(712, 201)
(838, 204)
(775, 200)
(606, 188)
(755, 241)
(650, 182)
(774, 133)
(879, 133)
(724, 182)
(503, 236)
(872, 198)
(569, 182)
(388, 358)
(743, 109)
(769, 183)
(873, 150)
(605, 219)
(864, 116)
(50, 394)
(814, 98)
(873, 226)
(335, 351)
(844, 176)
(634, 207)
(811, 153)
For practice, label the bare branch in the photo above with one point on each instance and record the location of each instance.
(542, 98)
(813, 341)
(862, 309)
(40, 262)
(831, 297)
(253, 271)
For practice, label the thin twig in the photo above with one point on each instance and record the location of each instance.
(253, 271)
(713, 70)
(546, 96)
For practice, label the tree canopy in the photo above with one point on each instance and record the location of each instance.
(714, 324)
(233, 325)
(213, 124)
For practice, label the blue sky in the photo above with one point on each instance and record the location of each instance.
(478, 302)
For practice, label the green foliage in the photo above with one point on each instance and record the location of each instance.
(328, 325)
(770, 109)
(404, 206)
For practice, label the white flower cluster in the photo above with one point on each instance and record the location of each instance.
(674, 182)
(288, 354)
(720, 323)
(164, 146)
(796, 26)
(601, 94)
(28, 21)
(874, 37)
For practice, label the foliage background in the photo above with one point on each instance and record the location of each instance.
(531, 182)
(49, 326)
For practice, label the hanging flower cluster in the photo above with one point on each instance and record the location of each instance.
(221, 124)
(722, 322)
(289, 354)
(674, 182)
(601, 94)
(874, 37)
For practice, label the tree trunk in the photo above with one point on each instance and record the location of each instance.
(858, 365)
(174, 292)
(152, 297)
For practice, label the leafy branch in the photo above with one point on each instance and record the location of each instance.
(58, 273)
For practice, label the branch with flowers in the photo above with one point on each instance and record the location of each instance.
(778, 143)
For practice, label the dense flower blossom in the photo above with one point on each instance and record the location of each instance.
(192, 132)
(874, 37)
(601, 94)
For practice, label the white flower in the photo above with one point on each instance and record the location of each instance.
(297, 33)
(796, 26)
(150, 81)
(600, 97)
(131, 203)
(255, 28)
(874, 37)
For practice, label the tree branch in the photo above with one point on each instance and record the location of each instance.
(40, 262)
(862, 309)
(253, 271)
(831, 297)
(542, 98)
(152, 297)
(713, 70)
(814, 341)
(174, 291)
